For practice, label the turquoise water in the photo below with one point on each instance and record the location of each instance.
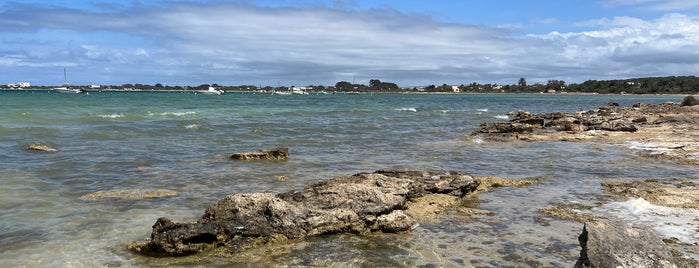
(180, 141)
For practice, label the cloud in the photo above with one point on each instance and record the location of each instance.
(661, 5)
(665, 46)
(190, 44)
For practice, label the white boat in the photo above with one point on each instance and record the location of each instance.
(299, 91)
(213, 91)
(68, 90)
(67, 87)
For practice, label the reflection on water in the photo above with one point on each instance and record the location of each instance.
(110, 141)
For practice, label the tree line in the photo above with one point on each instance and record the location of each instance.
(647, 85)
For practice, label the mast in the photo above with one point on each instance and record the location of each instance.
(65, 80)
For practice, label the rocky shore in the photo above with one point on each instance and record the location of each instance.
(398, 201)
(667, 131)
(362, 203)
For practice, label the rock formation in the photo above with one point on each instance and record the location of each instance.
(41, 147)
(613, 244)
(361, 203)
(272, 154)
(643, 124)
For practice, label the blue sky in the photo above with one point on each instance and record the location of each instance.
(312, 42)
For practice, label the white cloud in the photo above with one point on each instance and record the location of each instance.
(238, 44)
(661, 5)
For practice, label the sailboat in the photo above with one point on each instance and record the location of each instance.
(66, 87)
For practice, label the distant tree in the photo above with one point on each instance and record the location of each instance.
(343, 86)
(375, 84)
(522, 82)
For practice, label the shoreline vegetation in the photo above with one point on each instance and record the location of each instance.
(648, 85)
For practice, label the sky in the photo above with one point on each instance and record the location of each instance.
(322, 42)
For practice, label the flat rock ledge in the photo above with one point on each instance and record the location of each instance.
(666, 131)
(675, 193)
(614, 244)
(613, 118)
(361, 203)
(281, 153)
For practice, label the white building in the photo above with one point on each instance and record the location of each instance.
(24, 84)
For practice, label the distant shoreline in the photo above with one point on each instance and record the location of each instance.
(373, 92)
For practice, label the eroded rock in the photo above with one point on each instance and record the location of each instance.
(614, 244)
(670, 192)
(361, 203)
(41, 148)
(281, 153)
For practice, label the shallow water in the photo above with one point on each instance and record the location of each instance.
(181, 142)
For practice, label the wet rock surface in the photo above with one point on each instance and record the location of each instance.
(614, 244)
(669, 192)
(646, 124)
(41, 148)
(281, 153)
(129, 194)
(362, 203)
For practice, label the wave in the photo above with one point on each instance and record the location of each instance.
(502, 117)
(119, 115)
(667, 221)
(407, 110)
(482, 110)
(171, 113)
(191, 126)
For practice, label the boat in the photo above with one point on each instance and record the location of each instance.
(299, 91)
(67, 87)
(213, 91)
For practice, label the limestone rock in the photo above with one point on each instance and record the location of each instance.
(41, 147)
(362, 203)
(613, 244)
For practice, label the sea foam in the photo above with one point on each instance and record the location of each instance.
(120, 115)
(669, 222)
(407, 109)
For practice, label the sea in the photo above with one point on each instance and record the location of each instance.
(51, 213)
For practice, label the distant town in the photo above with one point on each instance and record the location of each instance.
(647, 85)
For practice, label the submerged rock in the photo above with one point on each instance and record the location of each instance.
(129, 194)
(361, 203)
(614, 244)
(41, 147)
(272, 154)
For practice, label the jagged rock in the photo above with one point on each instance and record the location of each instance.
(610, 118)
(272, 154)
(613, 244)
(361, 203)
(41, 147)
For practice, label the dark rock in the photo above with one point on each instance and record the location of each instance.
(612, 104)
(613, 244)
(608, 118)
(521, 114)
(273, 154)
(361, 203)
(618, 125)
